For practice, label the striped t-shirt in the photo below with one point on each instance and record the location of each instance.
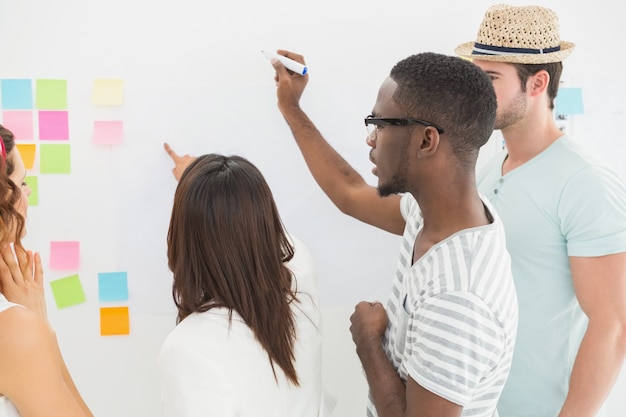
(453, 314)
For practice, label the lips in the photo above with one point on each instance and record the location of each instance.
(375, 167)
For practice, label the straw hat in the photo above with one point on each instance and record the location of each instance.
(521, 35)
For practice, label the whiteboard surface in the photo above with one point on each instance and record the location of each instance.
(194, 76)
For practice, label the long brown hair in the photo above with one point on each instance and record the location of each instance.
(10, 219)
(226, 248)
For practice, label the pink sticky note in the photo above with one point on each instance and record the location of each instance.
(20, 123)
(109, 132)
(64, 255)
(53, 125)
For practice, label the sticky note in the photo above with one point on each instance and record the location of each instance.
(64, 255)
(53, 125)
(33, 184)
(108, 92)
(20, 122)
(114, 321)
(109, 132)
(569, 101)
(54, 159)
(51, 94)
(27, 152)
(67, 291)
(17, 94)
(112, 286)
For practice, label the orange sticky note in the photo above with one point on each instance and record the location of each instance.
(114, 321)
(27, 151)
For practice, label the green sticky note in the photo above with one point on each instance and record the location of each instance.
(54, 159)
(68, 291)
(33, 184)
(51, 94)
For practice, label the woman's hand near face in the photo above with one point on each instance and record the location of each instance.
(21, 278)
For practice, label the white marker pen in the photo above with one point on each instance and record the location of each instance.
(294, 66)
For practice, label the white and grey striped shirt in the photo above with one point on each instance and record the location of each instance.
(453, 314)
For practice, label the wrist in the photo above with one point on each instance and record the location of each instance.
(292, 109)
(369, 347)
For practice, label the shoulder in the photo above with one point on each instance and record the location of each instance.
(199, 329)
(568, 157)
(409, 207)
(205, 334)
(304, 269)
(20, 327)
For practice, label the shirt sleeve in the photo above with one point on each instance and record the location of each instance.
(592, 213)
(408, 207)
(455, 342)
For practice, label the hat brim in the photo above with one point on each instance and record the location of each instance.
(465, 50)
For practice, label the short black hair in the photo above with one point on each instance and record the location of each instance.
(451, 92)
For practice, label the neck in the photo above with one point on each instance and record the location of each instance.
(528, 138)
(446, 215)
(449, 208)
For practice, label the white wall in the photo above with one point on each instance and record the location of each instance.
(194, 76)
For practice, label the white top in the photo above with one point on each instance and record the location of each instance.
(453, 314)
(210, 368)
(7, 409)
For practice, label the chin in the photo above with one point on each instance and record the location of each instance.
(384, 190)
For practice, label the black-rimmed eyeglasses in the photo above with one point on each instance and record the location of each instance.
(372, 123)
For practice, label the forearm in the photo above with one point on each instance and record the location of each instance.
(329, 169)
(596, 368)
(386, 388)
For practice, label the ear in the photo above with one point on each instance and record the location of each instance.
(428, 141)
(538, 83)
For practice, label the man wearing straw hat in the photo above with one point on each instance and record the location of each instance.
(565, 218)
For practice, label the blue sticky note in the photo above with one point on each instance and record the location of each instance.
(17, 94)
(569, 101)
(112, 286)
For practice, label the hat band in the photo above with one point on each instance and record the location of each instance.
(482, 49)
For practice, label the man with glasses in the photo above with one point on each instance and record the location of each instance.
(443, 344)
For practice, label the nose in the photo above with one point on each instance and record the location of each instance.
(371, 139)
(27, 190)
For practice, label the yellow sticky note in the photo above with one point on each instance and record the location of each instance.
(108, 92)
(27, 151)
(114, 321)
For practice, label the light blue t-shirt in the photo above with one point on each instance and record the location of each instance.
(564, 202)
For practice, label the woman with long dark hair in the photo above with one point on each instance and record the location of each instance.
(248, 339)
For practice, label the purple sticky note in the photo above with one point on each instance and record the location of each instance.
(19, 122)
(108, 132)
(53, 125)
(64, 255)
